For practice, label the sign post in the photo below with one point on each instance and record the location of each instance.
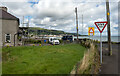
(101, 26)
(101, 48)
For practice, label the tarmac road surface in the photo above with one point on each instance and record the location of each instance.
(110, 63)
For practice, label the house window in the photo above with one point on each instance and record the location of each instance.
(7, 38)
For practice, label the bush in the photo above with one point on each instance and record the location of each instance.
(61, 41)
(96, 46)
(38, 41)
(86, 43)
(33, 41)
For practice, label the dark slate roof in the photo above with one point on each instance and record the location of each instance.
(6, 15)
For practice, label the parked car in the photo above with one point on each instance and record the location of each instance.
(54, 41)
(68, 37)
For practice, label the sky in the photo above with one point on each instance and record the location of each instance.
(60, 14)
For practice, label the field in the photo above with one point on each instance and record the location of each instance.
(58, 59)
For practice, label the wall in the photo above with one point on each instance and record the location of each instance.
(9, 27)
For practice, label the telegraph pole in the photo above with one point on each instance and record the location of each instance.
(28, 28)
(22, 31)
(76, 21)
(23, 22)
(82, 24)
(108, 27)
(28, 23)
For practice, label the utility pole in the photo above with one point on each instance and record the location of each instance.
(50, 30)
(76, 21)
(82, 24)
(28, 23)
(28, 28)
(108, 27)
(22, 31)
(23, 22)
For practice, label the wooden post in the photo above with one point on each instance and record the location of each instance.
(108, 27)
(76, 21)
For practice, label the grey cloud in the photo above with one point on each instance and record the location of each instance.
(61, 13)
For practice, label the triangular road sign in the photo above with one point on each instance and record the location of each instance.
(101, 25)
(91, 30)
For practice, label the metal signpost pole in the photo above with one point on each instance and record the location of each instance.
(101, 25)
(101, 48)
(92, 38)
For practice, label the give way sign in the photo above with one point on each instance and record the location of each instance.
(101, 25)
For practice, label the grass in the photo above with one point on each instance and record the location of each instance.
(58, 59)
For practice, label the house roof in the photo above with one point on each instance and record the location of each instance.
(6, 15)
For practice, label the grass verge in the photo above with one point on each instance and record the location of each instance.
(58, 59)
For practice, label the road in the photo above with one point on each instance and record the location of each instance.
(110, 63)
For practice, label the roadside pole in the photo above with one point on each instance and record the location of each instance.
(76, 22)
(101, 48)
(89, 38)
(92, 38)
(108, 27)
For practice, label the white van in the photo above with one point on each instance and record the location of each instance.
(54, 40)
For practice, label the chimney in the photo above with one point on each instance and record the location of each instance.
(4, 8)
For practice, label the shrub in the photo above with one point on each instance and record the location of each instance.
(38, 41)
(61, 41)
(32, 41)
(86, 43)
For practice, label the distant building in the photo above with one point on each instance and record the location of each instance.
(9, 26)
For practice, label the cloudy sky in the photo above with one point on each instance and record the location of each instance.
(60, 14)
